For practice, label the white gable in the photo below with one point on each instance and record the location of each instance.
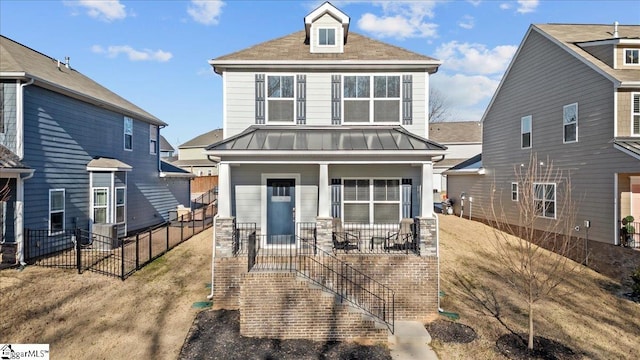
(327, 29)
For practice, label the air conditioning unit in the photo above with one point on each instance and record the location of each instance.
(105, 237)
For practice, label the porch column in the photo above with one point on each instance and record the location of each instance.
(324, 197)
(426, 193)
(224, 190)
(19, 223)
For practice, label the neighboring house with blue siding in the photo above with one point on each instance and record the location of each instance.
(92, 156)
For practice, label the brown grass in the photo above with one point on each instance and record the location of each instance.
(91, 316)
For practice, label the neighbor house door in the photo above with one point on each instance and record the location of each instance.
(281, 211)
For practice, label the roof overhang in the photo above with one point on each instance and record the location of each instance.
(430, 66)
(617, 41)
(108, 165)
(629, 146)
(327, 8)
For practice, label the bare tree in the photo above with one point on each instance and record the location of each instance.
(545, 220)
(439, 109)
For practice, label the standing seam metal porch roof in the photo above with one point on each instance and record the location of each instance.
(326, 138)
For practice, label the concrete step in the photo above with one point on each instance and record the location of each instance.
(411, 341)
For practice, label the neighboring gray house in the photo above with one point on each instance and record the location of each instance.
(463, 140)
(191, 156)
(76, 153)
(166, 150)
(572, 94)
(326, 133)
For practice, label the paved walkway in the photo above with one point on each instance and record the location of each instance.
(411, 342)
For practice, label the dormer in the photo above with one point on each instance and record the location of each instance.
(619, 52)
(326, 29)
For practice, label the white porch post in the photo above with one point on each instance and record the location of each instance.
(426, 201)
(19, 220)
(324, 197)
(224, 190)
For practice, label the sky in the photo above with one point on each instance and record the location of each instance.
(155, 53)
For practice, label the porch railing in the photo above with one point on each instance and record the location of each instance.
(382, 238)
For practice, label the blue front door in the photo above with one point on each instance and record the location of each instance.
(281, 202)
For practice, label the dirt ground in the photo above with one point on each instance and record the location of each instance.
(149, 316)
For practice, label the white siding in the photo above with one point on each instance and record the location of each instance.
(319, 99)
(240, 95)
(326, 21)
(247, 196)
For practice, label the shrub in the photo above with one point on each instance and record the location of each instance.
(635, 287)
(629, 221)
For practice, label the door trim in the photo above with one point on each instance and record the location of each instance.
(263, 201)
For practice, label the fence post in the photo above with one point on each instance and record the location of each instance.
(150, 241)
(167, 238)
(122, 257)
(78, 254)
(138, 251)
(181, 228)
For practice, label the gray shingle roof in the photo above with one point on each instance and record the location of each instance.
(17, 61)
(630, 145)
(203, 140)
(456, 132)
(9, 160)
(570, 35)
(164, 145)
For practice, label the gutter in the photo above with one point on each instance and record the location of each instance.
(20, 118)
(213, 256)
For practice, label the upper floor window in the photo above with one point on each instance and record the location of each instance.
(631, 56)
(327, 36)
(361, 105)
(570, 122)
(153, 139)
(544, 199)
(128, 133)
(280, 98)
(56, 210)
(514, 191)
(635, 117)
(525, 132)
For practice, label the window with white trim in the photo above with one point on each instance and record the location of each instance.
(120, 204)
(635, 116)
(525, 132)
(544, 200)
(514, 191)
(327, 36)
(56, 210)
(153, 139)
(631, 56)
(570, 122)
(280, 98)
(371, 201)
(128, 133)
(100, 205)
(361, 105)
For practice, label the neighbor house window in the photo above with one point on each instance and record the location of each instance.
(120, 204)
(631, 56)
(153, 139)
(100, 205)
(514, 191)
(280, 98)
(369, 201)
(635, 117)
(56, 210)
(361, 105)
(327, 36)
(544, 199)
(128, 133)
(525, 131)
(570, 122)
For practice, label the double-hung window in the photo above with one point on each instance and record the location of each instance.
(120, 204)
(544, 199)
(525, 132)
(128, 133)
(280, 98)
(631, 56)
(371, 201)
(100, 205)
(570, 122)
(361, 105)
(635, 116)
(514, 191)
(153, 139)
(56, 210)
(327, 36)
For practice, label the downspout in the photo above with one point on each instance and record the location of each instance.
(438, 256)
(20, 119)
(213, 256)
(20, 226)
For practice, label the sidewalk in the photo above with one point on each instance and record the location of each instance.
(411, 342)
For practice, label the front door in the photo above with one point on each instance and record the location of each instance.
(281, 203)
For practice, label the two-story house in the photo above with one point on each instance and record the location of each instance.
(75, 154)
(570, 95)
(325, 133)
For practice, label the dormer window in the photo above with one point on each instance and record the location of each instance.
(326, 37)
(631, 56)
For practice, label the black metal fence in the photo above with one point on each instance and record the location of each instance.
(629, 234)
(120, 257)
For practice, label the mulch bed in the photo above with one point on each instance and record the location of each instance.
(515, 347)
(216, 335)
(451, 332)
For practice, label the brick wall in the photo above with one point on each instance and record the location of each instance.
(227, 275)
(282, 306)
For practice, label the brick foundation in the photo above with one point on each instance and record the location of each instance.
(8, 253)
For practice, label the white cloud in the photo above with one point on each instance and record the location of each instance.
(133, 54)
(505, 6)
(105, 10)
(206, 12)
(467, 22)
(527, 6)
(401, 19)
(467, 96)
(474, 2)
(475, 58)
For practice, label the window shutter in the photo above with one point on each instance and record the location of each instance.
(407, 97)
(335, 99)
(301, 99)
(259, 98)
(406, 198)
(336, 188)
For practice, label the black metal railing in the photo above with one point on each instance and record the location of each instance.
(378, 238)
(629, 234)
(207, 198)
(240, 237)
